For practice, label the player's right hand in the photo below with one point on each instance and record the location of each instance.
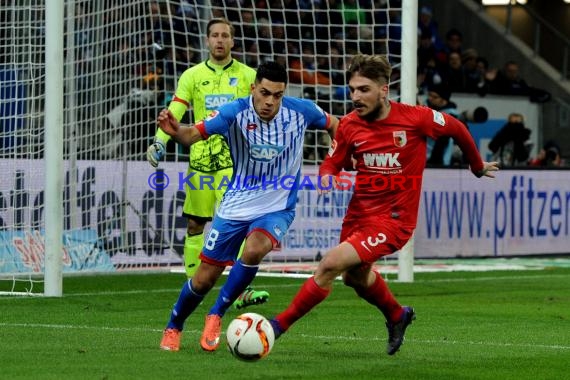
(168, 123)
(155, 153)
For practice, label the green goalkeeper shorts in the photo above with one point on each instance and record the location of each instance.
(204, 192)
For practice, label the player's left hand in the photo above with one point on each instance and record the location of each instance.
(167, 122)
(326, 185)
(489, 169)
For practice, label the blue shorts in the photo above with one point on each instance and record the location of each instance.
(225, 237)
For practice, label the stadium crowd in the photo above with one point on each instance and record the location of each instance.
(315, 40)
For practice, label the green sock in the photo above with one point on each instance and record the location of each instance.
(192, 247)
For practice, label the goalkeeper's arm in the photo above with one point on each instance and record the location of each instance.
(157, 150)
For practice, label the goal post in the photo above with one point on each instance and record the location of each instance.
(408, 95)
(54, 149)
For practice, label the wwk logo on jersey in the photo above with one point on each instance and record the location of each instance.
(265, 153)
(213, 102)
(382, 160)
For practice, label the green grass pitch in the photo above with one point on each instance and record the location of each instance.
(483, 325)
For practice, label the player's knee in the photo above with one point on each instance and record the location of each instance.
(257, 246)
(328, 270)
(330, 264)
(253, 255)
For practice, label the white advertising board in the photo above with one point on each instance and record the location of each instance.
(521, 212)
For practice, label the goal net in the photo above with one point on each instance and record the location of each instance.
(121, 64)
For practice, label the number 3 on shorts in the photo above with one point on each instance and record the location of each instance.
(212, 237)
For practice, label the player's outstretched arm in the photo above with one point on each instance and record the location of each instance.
(461, 134)
(157, 150)
(333, 126)
(183, 135)
(489, 169)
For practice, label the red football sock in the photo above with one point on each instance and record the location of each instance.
(308, 297)
(380, 296)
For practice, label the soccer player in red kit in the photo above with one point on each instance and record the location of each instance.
(387, 140)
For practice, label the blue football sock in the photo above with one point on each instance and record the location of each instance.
(187, 302)
(240, 277)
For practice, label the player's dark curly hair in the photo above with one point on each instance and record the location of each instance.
(272, 71)
(374, 67)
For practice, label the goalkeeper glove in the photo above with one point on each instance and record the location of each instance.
(155, 153)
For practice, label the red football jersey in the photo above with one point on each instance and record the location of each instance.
(391, 157)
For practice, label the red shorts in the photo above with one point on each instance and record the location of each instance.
(375, 237)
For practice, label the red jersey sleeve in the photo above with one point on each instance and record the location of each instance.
(339, 152)
(438, 124)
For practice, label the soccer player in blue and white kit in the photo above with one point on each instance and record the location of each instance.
(265, 133)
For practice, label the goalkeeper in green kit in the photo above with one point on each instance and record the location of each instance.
(213, 82)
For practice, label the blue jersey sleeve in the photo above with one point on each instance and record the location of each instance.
(315, 116)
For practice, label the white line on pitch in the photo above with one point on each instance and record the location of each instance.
(297, 284)
(468, 343)
(321, 337)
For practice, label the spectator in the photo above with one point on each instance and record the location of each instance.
(132, 120)
(352, 13)
(380, 17)
(278, 40)
(440, 152)
(281, 59)
(387, 29)
(357, 38)
(509, 82)
(430, 75)
(328, 20)
(305, 71)
(428, 26)
(485, 75)
(549, 156)
(246, 31)
(471, 76)
(426, 49)
(292, 18)
(453, 44)
(336, 66)
(453, 74)
(394, 32)
(509, 145)
(264, 44)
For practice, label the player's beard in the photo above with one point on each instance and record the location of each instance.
(375, 113)
(220, 56)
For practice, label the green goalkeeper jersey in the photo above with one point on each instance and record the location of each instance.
(205, 87)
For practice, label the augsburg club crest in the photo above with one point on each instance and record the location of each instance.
(400, 138)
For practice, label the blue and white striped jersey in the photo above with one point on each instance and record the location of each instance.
(267, 156)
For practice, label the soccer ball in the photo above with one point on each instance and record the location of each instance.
(250, 337)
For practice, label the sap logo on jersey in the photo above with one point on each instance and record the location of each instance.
(381, 160)
(213, 102)
(265, 153)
